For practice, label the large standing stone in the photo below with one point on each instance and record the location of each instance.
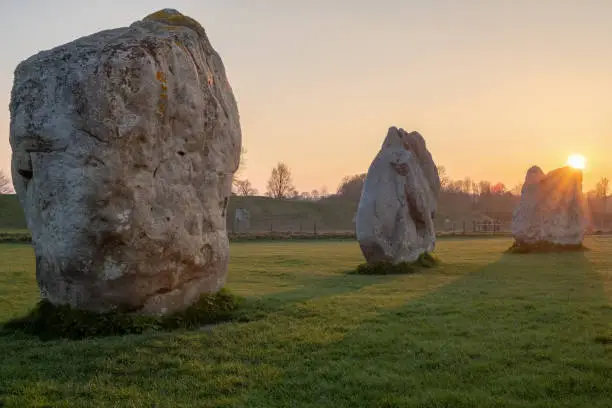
(124, 145)
(551, 209)
(395, 215)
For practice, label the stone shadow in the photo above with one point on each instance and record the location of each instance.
(515, 332)
(521, 331)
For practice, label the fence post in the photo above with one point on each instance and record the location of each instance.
(270, 227)
(315, 227)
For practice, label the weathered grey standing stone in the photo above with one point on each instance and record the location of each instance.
(552, 208)
(395, 215)
(124, 145)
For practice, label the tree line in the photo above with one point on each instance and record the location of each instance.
(482, 195)
(458, 197)
(280, 186)
(6, 187)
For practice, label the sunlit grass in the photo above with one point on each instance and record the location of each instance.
(482, 329)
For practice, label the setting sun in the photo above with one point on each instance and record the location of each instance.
(576, 161)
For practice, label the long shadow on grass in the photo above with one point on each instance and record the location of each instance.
(520, 332)
(257, 307)
(525, 331)
(208, 368)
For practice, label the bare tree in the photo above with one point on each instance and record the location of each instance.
(305, 196)
(602, 188)
(6, 187)
(244, 188)
(454, 186)
(498, 188)
(475, 192)
(444, 179)
(467, 186)
(484, 188)
(350, 187)
(280, 185)
(601, 192)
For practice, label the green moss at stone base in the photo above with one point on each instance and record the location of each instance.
(543, 247)
(425, 260)
(48, 321)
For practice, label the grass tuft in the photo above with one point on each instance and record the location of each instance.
(543, 247)
(425, 260)
(48, 321)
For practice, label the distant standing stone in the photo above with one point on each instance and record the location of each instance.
(124, 146)
(552, 208)
(394, 220)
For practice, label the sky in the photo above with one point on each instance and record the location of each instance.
(493, 86)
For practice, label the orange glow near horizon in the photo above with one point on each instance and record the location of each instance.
(577, 161)
(494, 87)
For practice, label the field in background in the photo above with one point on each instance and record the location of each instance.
(483, 329)
(328, 215)
(334, 214)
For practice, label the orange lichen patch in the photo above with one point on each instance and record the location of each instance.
(174, 18)
(209, 78)
(161, 77)
(163, 95)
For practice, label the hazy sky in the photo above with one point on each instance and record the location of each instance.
(494, 86)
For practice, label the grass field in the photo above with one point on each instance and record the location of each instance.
(484, 329)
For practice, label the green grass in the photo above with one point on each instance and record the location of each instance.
(482, 329)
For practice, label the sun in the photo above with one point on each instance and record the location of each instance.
(576, 161)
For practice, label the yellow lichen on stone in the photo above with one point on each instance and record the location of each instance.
(174, 18)
(161, 77)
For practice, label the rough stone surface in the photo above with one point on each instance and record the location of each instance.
(124, 146)
(394, 220)
(552, 208)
